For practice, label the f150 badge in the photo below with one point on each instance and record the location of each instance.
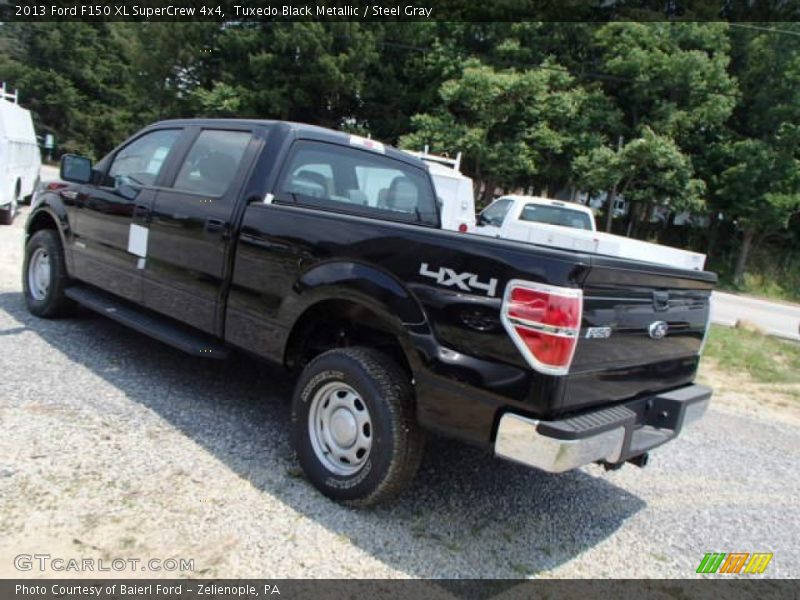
(463, 281)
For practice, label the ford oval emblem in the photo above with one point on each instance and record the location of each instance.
(658, 329)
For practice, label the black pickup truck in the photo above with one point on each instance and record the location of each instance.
(322, 252)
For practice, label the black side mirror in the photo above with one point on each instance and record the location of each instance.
(75, 168)
(482, 220)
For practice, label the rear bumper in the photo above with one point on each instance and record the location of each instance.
(609, 435)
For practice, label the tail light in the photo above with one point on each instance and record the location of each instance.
(544, 322)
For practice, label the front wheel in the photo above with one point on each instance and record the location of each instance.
(44, 275)
(354, 428)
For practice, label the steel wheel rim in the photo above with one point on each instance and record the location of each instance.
(340, 428)
(39, 274)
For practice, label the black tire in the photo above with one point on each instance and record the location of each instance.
(29, 198)
(7, 214)
(53, 303)
(396, 438)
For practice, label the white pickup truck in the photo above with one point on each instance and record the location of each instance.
(571, 226)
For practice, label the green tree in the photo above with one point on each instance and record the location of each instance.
(75, 77)
(757, 160)
(517, 128)
(648, 171)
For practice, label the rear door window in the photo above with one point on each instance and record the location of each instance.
(334, 177)
(211, 165)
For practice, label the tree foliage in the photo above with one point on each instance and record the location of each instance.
(699, 117)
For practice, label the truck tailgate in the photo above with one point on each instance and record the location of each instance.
(642, 332)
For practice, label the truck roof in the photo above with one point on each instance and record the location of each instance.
(304, 131)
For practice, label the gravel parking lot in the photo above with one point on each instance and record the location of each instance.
(117, 446)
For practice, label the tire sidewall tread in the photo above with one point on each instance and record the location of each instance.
(56, 303)
(397, 439)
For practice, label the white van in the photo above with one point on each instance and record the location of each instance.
(20, 159)
(454, 190)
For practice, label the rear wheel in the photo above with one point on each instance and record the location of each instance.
(354, 428)
(44, 275)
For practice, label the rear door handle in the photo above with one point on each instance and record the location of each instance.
(213, 225)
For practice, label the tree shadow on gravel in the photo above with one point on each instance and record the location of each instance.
(465, 515)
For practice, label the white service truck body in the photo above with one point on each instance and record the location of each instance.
(453, 189)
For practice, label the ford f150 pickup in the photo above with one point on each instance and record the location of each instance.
(322, 252)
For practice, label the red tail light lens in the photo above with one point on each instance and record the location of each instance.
(544, 322)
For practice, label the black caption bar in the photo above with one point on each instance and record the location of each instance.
(249, 589)
(400, 10)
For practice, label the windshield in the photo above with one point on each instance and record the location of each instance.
(556, 215)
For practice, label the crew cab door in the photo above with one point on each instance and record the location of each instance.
(110, 216)
(191, 223)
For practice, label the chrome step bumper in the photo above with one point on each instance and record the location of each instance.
(610, 435)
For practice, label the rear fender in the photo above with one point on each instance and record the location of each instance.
(379, 292)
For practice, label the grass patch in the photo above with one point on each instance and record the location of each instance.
(765, 359)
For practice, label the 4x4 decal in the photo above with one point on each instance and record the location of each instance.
(463, 281)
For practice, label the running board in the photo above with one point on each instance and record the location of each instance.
(156, 326)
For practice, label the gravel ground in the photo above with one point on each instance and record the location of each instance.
(115, 445)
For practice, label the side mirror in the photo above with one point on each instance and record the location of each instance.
(76, 169)
(481, 220)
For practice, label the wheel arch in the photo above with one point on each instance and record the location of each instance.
(347, 321)
(365, 302)
(45, 217)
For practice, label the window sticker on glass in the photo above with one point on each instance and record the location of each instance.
(154, 166)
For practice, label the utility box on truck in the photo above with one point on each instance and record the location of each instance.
(454, 191)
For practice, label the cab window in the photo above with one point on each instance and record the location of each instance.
(555, 215)
(494, 214)
(140, 162)
(343, 179)
(212, 163)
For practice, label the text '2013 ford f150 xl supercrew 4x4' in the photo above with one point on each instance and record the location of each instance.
(322, 252)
